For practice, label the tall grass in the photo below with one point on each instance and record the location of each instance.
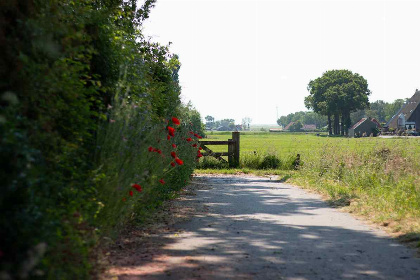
(123, 146)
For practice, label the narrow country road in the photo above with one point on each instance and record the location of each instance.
(257, 228)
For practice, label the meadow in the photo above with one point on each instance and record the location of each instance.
(378, 178)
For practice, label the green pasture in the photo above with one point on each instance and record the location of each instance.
(286, 144)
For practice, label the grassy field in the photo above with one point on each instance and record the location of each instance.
(378, 178)
(284, 144)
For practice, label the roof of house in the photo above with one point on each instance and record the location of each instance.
(362, 120)
(309, 127)
(407, 109)
(358, 123)
(377, 122)
(289, 125)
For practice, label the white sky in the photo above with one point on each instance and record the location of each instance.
(245, 58)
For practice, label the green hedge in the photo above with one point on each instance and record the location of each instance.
(82, 97)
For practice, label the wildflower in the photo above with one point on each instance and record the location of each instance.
(168, 137)
(199, 137)
(137, 187)
(124, 199)
(130, 193)
(189, 139)
(194, 145)
(192, 133)
(199, 148)
(173, 164)
(179, 161)
(171, 131)
(159, 151)
(199, 155)
(173, 154)
(109, 106)
(173, 146)
(155, 149)
(175, 121)
(162, 181)
(150, 149)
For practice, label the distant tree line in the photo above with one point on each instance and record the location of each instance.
(308, 117)
(226, 124)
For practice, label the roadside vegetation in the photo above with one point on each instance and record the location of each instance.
(93, 133)
(374, 177)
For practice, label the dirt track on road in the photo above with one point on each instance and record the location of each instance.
(246, 227)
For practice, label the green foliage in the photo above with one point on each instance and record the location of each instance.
(338, 93)
(296, 127)
(270, 162)
(303, 117)
(83, 95)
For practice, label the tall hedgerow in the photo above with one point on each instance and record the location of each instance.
(82, 98)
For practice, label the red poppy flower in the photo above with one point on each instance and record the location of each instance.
(137, 187)
(173, 164)
(175, 121)
(199, 148)
(159, 151)
(150, 149)
(199, 155)
(171, 131)
(173, 146)
(162, 181)
(179, 161)
(130, 193)
(189, 139)
(124, 199)
(168, 137)
(173, 154)
(155, 149)
(192, 133)
(199, 137)
(194, 145)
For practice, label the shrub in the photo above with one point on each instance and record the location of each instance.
(270, 162)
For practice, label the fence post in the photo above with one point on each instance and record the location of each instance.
(235, 138)
(231, 149)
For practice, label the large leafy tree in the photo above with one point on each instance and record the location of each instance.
(336, 94)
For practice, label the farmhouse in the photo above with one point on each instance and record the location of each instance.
(408, 117)
(366, 126)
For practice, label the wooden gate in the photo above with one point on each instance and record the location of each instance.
(233, 149)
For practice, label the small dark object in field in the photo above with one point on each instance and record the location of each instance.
(296, 162)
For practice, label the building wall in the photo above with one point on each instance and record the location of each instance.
(415, 117)
(365, 127)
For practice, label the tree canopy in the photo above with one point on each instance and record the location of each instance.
(336, 94)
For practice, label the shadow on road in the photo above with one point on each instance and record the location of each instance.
(259, 229)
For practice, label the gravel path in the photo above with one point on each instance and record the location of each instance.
(256, 228)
